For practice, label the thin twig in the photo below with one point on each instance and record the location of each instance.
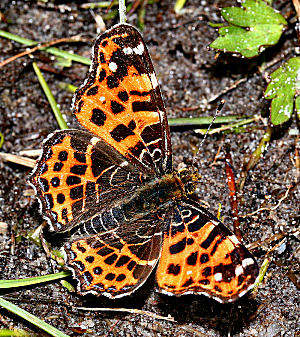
(18, 159)
(296, 4)
(30, 153)
(255, 157)
(217, 154)
(122, 11)
(226, 90)
(131, 311)
(267, 241)
(40, 46)
(268, 208)
(232, 193)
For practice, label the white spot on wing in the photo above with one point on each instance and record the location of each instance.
(113, 66)
(127, 50)
(139, 49)
(247, 262)
(234, 239)
(218, 277)
(94, 140)
(153, 80)
(102, 99)
(239, 270)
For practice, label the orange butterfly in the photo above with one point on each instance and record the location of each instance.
(115, 188)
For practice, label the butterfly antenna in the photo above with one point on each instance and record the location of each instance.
(219, 108)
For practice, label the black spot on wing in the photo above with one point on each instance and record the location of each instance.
(116, 107)
(102, 76)
(123, 96)
(93, 91)
(121, 277)
(80, 157)
(73, 180)
(121, 132)
(60, 198)
(173, 269)
(63, 155)
(58, 166)
(78, 169)
(192, 259)
(55, 182)
(111, 259)
(178, 247)
(112, 81)
(98, 270)
(143, 106)
(209, 240)
(98, 117)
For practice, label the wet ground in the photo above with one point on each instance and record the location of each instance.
(190, 77)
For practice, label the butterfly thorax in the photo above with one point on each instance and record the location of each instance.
(162, 192)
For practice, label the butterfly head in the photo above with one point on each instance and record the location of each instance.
(189, 180)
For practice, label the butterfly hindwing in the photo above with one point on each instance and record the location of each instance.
(118, 262)
(121, 102)
(200, 255)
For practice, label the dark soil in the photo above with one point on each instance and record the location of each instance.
(190, 76)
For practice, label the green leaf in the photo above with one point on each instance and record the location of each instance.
(284, 86)
(250, 28)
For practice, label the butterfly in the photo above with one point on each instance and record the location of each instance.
(114, 187)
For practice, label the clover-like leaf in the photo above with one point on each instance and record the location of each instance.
(283, 89)
(250, 28)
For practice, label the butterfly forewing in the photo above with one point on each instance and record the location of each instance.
(121, 102)
(78, 176)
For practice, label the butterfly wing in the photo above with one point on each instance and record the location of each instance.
(79, 176)
(121, 102)
(200, 255)
(117, 262)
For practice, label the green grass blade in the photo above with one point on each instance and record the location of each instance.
(67, 86)
(1, 139)
(60, 120)
(5, 284)
(50, 50)
(179, 5)
(31, 318)
(14, 333)
(101, 4)
(202, 120)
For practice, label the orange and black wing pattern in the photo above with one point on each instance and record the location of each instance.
(79, 176)
(200, 255)
(120, 101)
(118, 262)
